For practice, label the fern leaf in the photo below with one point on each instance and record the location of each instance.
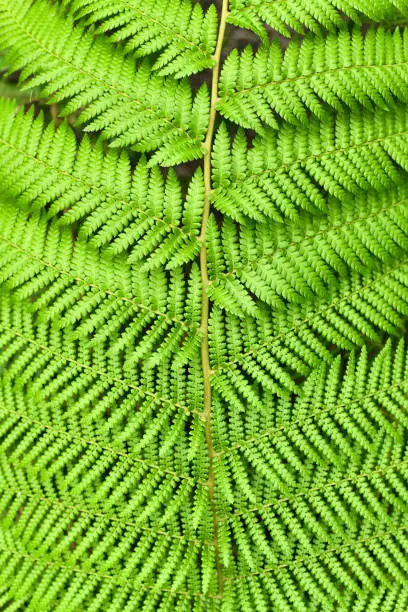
(114, 99)
(342, 70)
(121, 459)
(183, 33)
(291, 526)
(253, 359)
(298, 168)
(117, 209)
(203, 306)
(286, 15)
(39, 262)
(305, 259)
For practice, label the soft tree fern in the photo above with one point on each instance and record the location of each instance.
(203, 306)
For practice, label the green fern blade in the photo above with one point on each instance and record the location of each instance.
(301, 261)
(342, 70)
(47, 486)
(300, 167)
(180, 30)
(39, 263)
(114, 104)
(52, 438)
(283, 15)
(114, 202)
(254, 362)
(86, 589)
(261, 530)
(203, 366)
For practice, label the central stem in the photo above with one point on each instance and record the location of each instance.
(205, 354)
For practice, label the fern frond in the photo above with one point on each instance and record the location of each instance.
(298, 167)
(348, 69)
(183, 33)
(313, 15)
(126, 102)
(98, 293)
(76, 386)
(305, 259)
(324, 484)
(46, 170)
(253, 358)
(203, 369)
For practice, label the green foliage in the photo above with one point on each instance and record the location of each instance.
(129, 103)
(347, 69)
(299, 167)
(183, 33)
(203, 366)
(314, 15)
